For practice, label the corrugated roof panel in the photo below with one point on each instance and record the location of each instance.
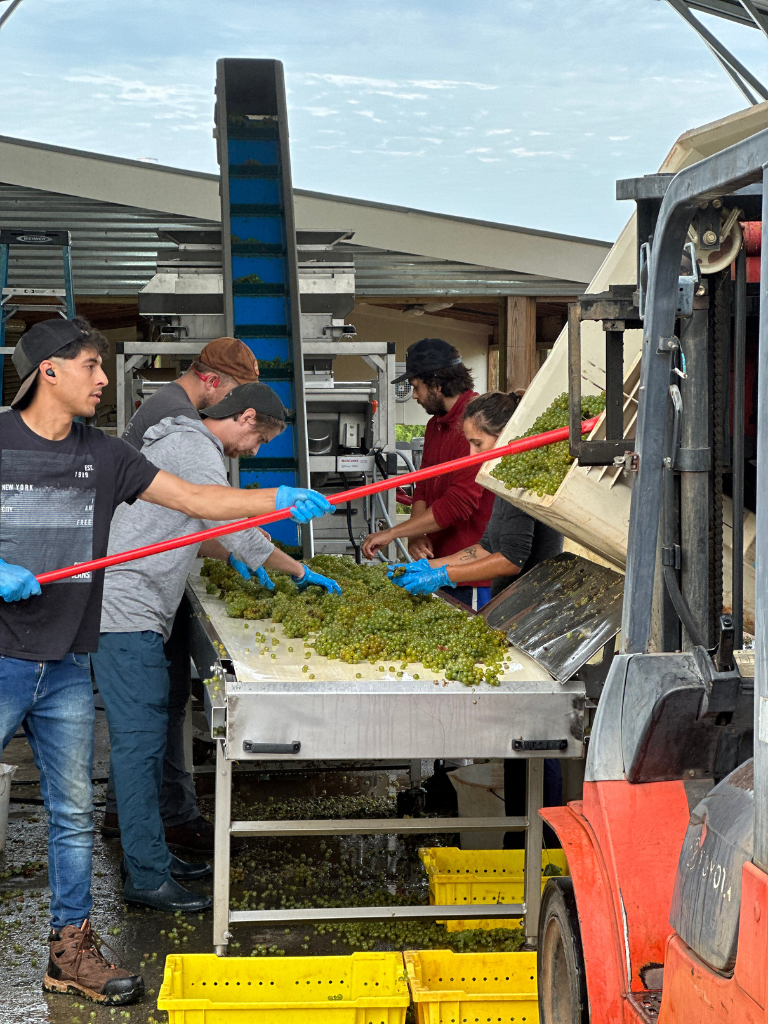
(114, 252)
(114, 248)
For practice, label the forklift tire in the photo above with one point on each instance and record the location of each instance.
(562, 980)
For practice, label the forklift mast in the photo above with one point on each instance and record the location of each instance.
(652, 923)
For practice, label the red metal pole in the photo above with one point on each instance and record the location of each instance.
(524, 444)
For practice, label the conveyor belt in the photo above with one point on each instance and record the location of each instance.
(271, 701)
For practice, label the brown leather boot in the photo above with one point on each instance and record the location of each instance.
(77, 966)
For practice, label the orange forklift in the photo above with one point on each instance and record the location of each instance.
(665, 914)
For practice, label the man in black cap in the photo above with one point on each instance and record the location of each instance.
(449, 512)
(140, 602)
(60, 483)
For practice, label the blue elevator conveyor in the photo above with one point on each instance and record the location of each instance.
(261, 285)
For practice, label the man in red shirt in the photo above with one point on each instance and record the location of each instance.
(449, 512)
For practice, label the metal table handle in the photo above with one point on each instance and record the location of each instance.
(271, 748)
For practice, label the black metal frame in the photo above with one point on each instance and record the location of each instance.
(618, 312)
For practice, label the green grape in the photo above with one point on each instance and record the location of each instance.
(542, 470)
(372, 621)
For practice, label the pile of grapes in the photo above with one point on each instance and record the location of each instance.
(372, 620)
(542, 470)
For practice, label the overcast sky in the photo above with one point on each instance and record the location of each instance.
(519, 111)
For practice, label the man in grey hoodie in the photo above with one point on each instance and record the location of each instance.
(140, 601)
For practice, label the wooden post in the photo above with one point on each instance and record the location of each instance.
(493, 366)
(517, 340)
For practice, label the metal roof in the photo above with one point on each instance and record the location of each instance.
(381, 273)
(174, 193)
(115, 248)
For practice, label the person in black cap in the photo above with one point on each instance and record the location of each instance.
(449, 512)
(60, 483)
(141, 599)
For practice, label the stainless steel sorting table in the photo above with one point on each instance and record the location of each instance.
(266, 708)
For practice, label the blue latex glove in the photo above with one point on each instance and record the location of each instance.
(247, 573)
(315, 579)
(420, 580)
(16, 583)
(304, 504)
(419, 564)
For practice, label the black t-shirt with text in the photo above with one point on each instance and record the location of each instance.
(56, 504)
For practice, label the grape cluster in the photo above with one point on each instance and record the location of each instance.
(371, 621)
(542, 470)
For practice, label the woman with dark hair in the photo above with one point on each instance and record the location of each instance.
(513, 541)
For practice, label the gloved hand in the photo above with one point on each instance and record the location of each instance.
(247, 573)
(420, 563)
(419, 580)
(315, 579)
(304, 504)
(16, 582)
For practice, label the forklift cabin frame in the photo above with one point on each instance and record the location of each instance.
(655, 729)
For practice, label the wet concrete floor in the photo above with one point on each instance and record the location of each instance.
(141, 939)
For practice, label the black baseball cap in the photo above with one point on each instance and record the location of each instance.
(426, 356)
(40, 342)
(256, 396)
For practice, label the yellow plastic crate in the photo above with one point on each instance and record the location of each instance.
(481, 876)
(449, 988)
(364, 988)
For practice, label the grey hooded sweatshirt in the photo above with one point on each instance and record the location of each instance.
(146, 594)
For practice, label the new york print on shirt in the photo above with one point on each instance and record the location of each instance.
(46, 510)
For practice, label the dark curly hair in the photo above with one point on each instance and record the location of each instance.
(452, 380)
(92, 339)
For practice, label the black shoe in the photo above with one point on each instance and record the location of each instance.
(110, 826)
(181, 870)
(170, 897)
(197, 837)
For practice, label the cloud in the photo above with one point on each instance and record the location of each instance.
(539, 133)
(618, 138)
(137, 91)
(319, 111)
(369, 113)
(346, 81)
(445, 83)
(499, 131)
(489, 159)
(522, 152)
(479, 149)
(400, 95)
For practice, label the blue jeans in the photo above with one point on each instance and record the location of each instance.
(53, 700)
(178, 800)
(131, 672)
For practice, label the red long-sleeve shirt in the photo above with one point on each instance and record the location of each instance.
(460, 506)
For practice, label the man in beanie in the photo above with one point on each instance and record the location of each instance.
(449, 512)
(221, 366)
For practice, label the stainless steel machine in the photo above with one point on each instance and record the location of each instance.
(265, 709)
(350, 424)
